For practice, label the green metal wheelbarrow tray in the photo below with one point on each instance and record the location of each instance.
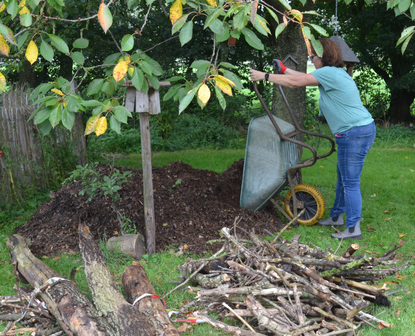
(271, 163)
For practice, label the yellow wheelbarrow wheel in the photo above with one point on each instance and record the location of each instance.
(308, 198)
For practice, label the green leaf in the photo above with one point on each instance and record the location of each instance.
(78, 57)
(220, 97)
(234, 78)
(200, 64)
(108, 87)
(7, 34)
(13, 8)
(319, 29)
(146, 67)
(74, 103)
(55, 116)
(317, 47)
(405, 33)
(285, 4)
(59, 43)
(228, 65)
(187, 99)
(127, 42)
(240, 20)
(252, 39)
(65, 85)
(81, 43)
(41, 116)
(279, 29)
(91, 103)
(405, 44)
(68, 119)
(175, 78)
(412, 11)
(218, 28)
(272, 13)
(179, 24)
(95, 86)
(115, 125)
(261, 25)
(186, 33)
(26, 20)
(138, 78)
(46, 51)
(45, 127)
(51, 102)
(132, 3)
(212, 17)
(22, 39)
(154, 82)
(120, 113)
(112, 59)
(171, 92)
(222, 37)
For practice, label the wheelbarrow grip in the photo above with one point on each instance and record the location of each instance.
(277, 66)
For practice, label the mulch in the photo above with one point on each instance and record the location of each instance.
(191, 206)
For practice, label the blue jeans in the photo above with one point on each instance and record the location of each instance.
(352, 147)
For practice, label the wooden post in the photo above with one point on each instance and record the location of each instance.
(146, 104)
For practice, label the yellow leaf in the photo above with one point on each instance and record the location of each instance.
(32, 52)
(24, 10)
(226, 80)
(306, 40)
(4, 48)
(176, 11)
(204, 94)
(224, 86)
(2, 83)
(104, 17)
(297, 15)
(59, 92)
(91, 124)
(120, 70)
(212, 3)
(22, 3)
(101, 126)
(3, 7)
(131, 71)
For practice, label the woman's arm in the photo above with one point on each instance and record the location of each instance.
(288, 79)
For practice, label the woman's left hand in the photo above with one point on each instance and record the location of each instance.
(256, 75)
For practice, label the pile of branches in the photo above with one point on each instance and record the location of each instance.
(288, 288)
(24, 311)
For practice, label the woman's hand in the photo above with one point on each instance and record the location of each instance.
(256, 75)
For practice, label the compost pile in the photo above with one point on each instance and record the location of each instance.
(190, 208)
(287, 288)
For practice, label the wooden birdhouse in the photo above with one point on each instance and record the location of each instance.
(145, 104)
(290, 62)
(140, 102)
(348, 56)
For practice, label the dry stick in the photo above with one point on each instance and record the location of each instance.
(240, 318)
(9, 325)
(337, 332)
(285, 227)
(197, 271)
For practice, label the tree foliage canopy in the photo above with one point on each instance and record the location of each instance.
(42, 31)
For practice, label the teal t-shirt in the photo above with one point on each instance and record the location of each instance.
(340, 100)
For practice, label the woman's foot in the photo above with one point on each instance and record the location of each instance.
(350, 233)
(336, 221)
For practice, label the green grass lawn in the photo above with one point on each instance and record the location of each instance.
(388, 190)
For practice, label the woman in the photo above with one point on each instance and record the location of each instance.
(349, 121)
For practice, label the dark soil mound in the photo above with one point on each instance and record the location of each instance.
(191, 206)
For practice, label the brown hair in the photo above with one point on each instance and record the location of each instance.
(332, 55)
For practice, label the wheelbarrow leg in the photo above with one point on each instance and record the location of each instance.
(280, 209)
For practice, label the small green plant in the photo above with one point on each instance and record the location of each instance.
(128, 227)
(92, 182)
(178, 182)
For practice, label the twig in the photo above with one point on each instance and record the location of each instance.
(338, 332)
(285, 227)
(9, 325)
(240, 318)
(195, 272)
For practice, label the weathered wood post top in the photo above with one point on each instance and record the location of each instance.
(146, 104)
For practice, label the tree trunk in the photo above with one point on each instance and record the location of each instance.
(399, 108)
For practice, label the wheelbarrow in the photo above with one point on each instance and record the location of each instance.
(271, 164)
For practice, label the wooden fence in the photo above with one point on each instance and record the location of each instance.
(26, 154)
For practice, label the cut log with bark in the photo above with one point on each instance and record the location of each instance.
(110, 313)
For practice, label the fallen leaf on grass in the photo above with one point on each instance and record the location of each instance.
(402, 235)
(184, 327)
(384, 325)
(398, 313)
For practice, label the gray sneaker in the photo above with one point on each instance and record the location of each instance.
(336, 221)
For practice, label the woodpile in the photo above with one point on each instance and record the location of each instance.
(287, 288)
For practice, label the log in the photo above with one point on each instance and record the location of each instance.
(137, 284)
(131, 244)
(73, 310)
(350, 251)
(125, 318)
